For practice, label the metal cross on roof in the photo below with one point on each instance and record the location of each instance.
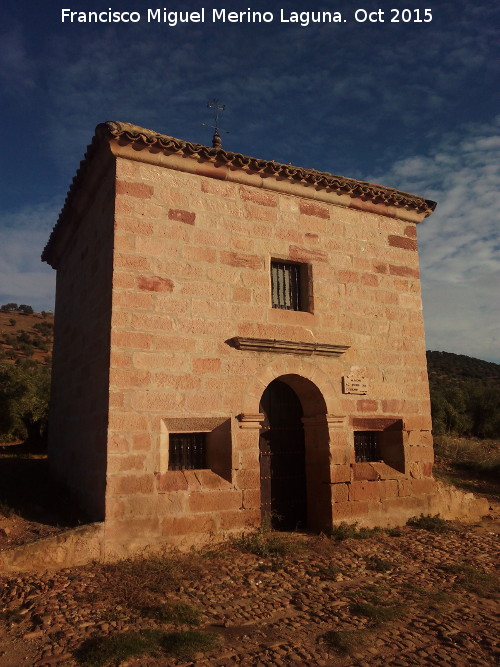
(217, 107)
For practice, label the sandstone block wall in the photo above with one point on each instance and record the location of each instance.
(191, 271)
(80, 370)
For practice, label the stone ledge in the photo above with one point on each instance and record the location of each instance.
(374, 471)
(70, 548)
(288, 346)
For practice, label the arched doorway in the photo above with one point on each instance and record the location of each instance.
(282, 458)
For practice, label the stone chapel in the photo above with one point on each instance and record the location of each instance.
(238, 343)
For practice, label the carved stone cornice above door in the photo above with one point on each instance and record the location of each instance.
(288, 346)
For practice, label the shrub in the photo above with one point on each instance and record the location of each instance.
(330, 571)
(376, 613)
(265, 545)
(379, 564)
(474, 580)
(24, 337)
(345, 641)
(178, 613)
(26, 349)
(426, 598)
(373, 593)
(186, 644)
(345, 531)
(427, 522)
(99, 651)
(44, 328)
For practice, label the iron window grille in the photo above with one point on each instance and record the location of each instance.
(285, 285)
(187, 451)
(366, 446)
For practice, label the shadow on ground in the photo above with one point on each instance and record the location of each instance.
(28, 490)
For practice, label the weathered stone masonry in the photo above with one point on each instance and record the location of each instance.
(165, 325)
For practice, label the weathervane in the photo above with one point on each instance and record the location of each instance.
(217, 107)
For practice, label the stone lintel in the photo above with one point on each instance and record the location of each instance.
(332, 421)
(377, 423)
(193, 424)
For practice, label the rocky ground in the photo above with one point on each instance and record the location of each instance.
(408, 597)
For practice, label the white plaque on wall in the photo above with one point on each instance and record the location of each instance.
(355, 385)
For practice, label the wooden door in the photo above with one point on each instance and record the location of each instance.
(282, 459)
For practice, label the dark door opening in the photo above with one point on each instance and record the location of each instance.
(282, 459)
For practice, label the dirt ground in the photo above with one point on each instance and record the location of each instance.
(408, 597)
(32, 506)
(411, 596)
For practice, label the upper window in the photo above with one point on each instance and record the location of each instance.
(286, 288)
(187, 451)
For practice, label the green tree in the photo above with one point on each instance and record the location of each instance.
(8, 307)
(24, 401)
(484, 407)
(44, 328)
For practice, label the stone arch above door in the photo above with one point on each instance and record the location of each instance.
(315, 388)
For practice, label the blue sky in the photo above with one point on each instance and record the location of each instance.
(409, 105)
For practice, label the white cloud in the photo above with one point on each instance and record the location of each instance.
(460, 242)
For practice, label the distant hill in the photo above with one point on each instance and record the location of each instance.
(465, 395)
(465, 392)
(25, 334)
(454, 368)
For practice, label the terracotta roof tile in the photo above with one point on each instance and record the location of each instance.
(127, 133)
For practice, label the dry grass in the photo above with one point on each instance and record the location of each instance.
(345, 642)
(143, 582)
(378, 564)
(474, 580)
(425, 598)
(264, 544)
(99, 651)
(480, 456)
(176, 613)
(377, 613)
(346, 531)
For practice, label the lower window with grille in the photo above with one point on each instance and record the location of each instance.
(366, 446)
(187, 451)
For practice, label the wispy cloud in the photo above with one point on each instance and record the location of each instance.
(460, 243)
(354, 99)
(23, 277)
(17, 70)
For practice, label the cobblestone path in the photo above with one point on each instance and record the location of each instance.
(411, 597)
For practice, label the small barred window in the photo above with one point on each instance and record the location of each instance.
(285, 285)
(366, 446)
(187, 451)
